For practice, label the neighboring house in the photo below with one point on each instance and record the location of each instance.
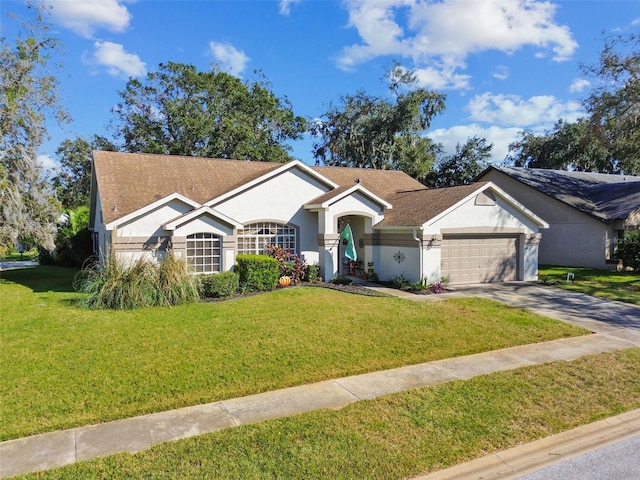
(587, 212)
(211, 210)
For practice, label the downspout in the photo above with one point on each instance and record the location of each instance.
(419, 240)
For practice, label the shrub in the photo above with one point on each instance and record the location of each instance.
(220, 285)
(372, 276)
(399, 282)
(341, 281)
(440, 286)
(290, 264)
(420, 285)
(258, 272)
(629, 250)
(73, 244)
(313, 273)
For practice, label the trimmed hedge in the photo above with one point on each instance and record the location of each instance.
(258, 272)
(220, 285)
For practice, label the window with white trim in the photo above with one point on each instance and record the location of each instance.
(203, 252)
(256, 237)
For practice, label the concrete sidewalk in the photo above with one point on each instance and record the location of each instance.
(41, 452)
(132, 435)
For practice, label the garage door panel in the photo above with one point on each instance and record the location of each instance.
(479, 259)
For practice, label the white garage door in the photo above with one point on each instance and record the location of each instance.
(479, 259)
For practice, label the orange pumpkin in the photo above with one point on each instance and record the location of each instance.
(284, 281)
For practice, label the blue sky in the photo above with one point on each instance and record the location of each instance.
(505, 65)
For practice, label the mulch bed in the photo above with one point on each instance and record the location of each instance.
(355, 289)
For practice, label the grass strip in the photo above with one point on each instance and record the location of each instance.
(63, 366)
(396, 436)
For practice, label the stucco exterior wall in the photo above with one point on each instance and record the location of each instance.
(572, 239)
(395, 253)
(150, 224)
(280, 199)
(491, 218)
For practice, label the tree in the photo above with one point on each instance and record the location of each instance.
(28, 94)
(568, 146)
(373, 132)
(73, 180)
(614, 104)
(607, 139)
(461, 168)
(179, 110)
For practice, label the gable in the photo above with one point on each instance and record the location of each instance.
(149, 219)
(487, 211)
(277, 197)
(467, 204)
(131, 181)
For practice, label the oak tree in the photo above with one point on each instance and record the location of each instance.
(179, 110)
(28, 95)
(364, 130)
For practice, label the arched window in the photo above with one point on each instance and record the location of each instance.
(256, 237)
(203, 252)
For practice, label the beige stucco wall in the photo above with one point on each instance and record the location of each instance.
(572, 239)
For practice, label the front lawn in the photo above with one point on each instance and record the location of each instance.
(396, 436)
(63, 366)
(622, 286)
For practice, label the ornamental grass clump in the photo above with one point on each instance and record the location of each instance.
(120, 285)
(176, 285)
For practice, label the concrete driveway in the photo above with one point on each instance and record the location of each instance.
(599, 315)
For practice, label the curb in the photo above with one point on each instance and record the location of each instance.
(518, 461)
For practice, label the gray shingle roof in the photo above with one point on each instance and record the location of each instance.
(603, 196)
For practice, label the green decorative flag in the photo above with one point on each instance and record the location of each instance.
(350, 251)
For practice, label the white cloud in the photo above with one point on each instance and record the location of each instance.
(579, 84)
(498, 136)
(443, 76)
(513, 110)
(501, 72)
(635, 21)
(85, 16)
(448, 32)
(47, 163)
(231, 60)
(117, 61)
(285, 6)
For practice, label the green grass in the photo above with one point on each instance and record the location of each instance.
(622, 286)
(63, 366)
(16, 256)
(396, 436)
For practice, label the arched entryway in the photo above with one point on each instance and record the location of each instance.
(360, 227)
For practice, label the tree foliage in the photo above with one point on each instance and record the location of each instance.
(179, 110)
(28, 94)
(462, 167)
(614, 104)
(568, 146)
(368, 131)
(72, 182)
(607, 139)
